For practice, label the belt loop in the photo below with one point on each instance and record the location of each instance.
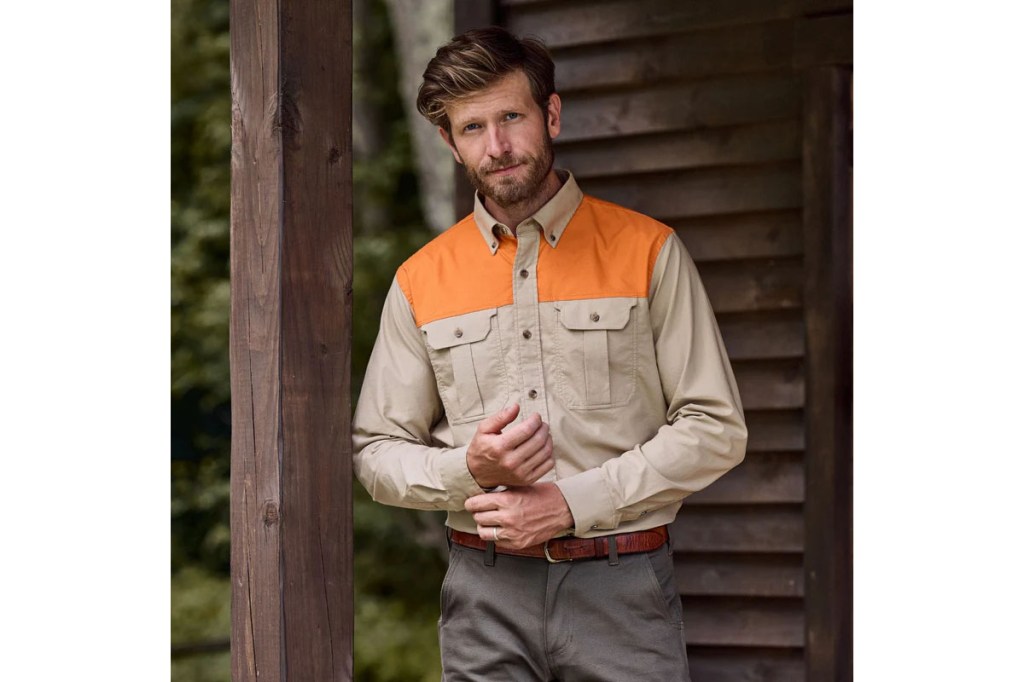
(448, 537)
(489, 554)
(613, 551)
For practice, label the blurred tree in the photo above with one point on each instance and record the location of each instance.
(398, 565)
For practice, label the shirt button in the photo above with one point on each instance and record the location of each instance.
(594, 317)
(594, 527)
(643, 513)
(532, 394)
(527, 334)
(524, 273)
(458, 333)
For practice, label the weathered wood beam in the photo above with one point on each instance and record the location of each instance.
(828, 307)
(291, 276)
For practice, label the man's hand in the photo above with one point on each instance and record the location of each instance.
(522, 516)
(520, 456)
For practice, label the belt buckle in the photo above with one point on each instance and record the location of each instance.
(551, 559)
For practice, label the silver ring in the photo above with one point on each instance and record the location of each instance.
(494, 529)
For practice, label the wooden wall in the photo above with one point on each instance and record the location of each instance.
(694, 113)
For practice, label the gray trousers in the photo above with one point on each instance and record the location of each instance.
(525, 619)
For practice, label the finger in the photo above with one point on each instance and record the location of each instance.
(533, 444)
(488, 518)
(531, 460)
(487, 533)
(534, 475)
(499, 420)
(485, 502)
(521, 432)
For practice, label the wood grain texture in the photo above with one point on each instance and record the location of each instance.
(729, 50)
(768, 478)
(823, 40)
(732, 236)
(291, 272)
(256, 608)
(828, 237)
(726, 146)
(763, 336)
(774, 430)
(734, 664)
(748, 529)
(581, 23)
(658, 108)
(717, 621)
(732, 575)
(770, 384)
(704, 192)
(749, 286)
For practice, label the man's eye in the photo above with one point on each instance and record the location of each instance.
(471, 126)
(511, 115)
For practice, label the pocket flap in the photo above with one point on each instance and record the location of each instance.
(595, 313)
(459, 329)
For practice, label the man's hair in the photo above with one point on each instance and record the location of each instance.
(476, 60)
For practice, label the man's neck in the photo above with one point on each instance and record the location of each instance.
(513, 215)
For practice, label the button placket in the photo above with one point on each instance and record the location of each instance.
(527, 318)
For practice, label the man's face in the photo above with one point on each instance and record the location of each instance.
(504, 139)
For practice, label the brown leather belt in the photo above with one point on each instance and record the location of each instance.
(575, 549)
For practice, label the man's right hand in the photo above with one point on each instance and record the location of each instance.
(519, 456)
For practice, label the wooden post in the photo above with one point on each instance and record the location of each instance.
(291, 278)
(828, 249)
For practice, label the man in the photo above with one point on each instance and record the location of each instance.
(550, 373)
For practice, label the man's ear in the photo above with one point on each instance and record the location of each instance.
(448, 141)
(554, 115)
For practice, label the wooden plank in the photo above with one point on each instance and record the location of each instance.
(735, 49)
(291, 274)
(768, 478)
(712, 621)
(828, 239)
(753, 285)
(738, 529)
(774, 430)
(759, 575)
(573, 23)
(703, 192)
(822, 7)
(770, 384)
(774, 234)
(823, 40)
(719, 102)
(733, 664)
(473, 14)
(729, 146)
(763, 336)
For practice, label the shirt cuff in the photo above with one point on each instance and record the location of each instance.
(590, 501)
(455, 475)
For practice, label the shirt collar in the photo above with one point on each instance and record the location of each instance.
(553, 217)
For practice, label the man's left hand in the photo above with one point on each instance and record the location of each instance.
(522, 516)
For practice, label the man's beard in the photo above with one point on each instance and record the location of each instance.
(510, 191)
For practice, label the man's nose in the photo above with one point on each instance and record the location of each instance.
(497, 142)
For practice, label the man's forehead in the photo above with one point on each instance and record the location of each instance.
(512, 91)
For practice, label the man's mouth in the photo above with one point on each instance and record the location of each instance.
(506, 169)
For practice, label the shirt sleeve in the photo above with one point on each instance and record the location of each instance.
(395, 454)
(704, 433)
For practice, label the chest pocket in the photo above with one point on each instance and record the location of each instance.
(465, 351)
(596, 346)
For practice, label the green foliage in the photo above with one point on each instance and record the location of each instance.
(398, 565)
(200, 611)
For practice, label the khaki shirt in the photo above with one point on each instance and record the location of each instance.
(595, 317)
